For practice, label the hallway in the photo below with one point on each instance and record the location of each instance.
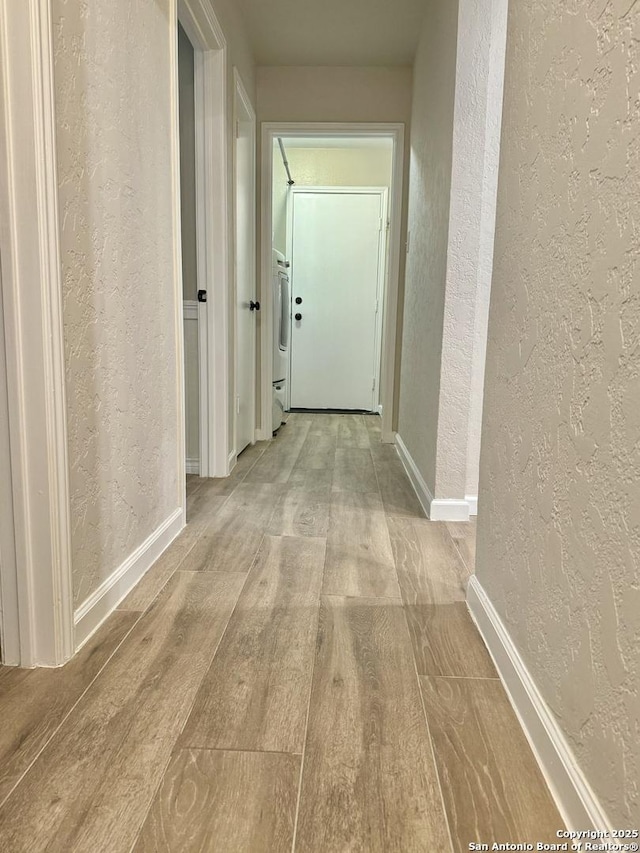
(265, 686)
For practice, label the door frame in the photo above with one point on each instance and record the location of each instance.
(212, 230)
(38, 618)
(242, 103)
(270, 132)
(383, 271)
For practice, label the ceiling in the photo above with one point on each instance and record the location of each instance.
(333, 32)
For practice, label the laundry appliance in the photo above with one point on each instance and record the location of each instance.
(281, 335)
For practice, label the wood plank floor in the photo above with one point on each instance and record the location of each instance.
(297, 672)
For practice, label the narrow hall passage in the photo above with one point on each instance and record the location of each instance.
(297, 671)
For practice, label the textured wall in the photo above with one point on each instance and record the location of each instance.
(476, 143)
(559, 536)
(429, 194)
(497, 16)
(463, 250)
(113, 87)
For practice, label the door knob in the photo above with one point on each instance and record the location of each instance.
(298, 300)
(298, 316)
(254, 306)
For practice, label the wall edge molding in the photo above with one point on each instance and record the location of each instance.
(472, 500)
(101, 603)
(38, 617)
(576, 801)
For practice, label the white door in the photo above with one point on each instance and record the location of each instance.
(246, 310)
(336, 273)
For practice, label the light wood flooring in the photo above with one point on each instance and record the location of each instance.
(298, 671)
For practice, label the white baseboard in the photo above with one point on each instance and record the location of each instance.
(472, 500)
(100, 604)
(574, 797)
(417, 481)
(193, 465)
(436, 509)
(449, 509)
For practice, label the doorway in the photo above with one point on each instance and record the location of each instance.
(208, 391)
(247, 304)
(331, 212)
(337, 246)
(188, 220)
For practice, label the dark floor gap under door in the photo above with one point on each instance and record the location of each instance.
(335, 411)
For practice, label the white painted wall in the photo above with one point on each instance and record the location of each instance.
(325, 167)
(308, 93)
(341, 167)
(455, 144)
(280, 198)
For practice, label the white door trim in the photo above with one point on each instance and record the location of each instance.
(9, 623)
(242, 100)
(270, 131)
(32, 297)
(212, 230)
(383, 192)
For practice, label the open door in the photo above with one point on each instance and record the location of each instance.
(247, 306)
